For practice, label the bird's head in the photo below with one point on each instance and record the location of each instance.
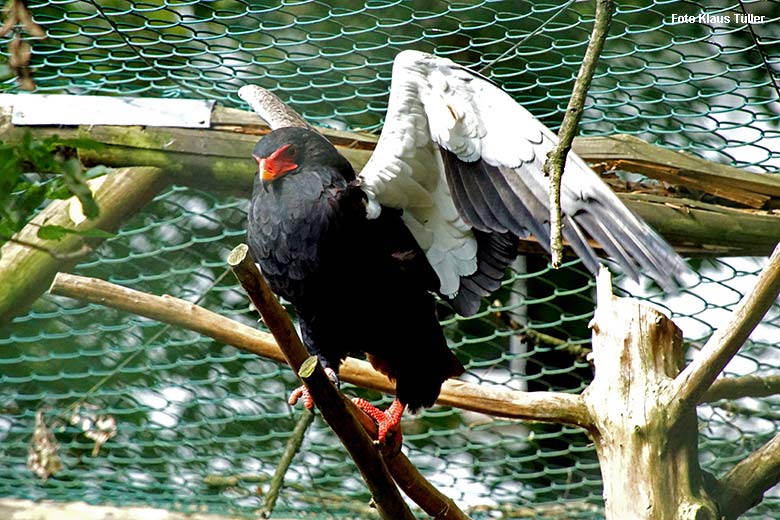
(291, 150)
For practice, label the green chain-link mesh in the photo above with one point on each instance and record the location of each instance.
(189, 410)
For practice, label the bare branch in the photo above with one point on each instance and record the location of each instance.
(292, 448)
(270, 108)
(744, 386)
(83, 251)
(556, 158)
(533, 406)
(689, 387)
(744, 486)
(328, 399)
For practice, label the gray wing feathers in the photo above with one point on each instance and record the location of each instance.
(491, 153)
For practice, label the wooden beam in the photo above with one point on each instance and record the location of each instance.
(633, 154)
(218, 160)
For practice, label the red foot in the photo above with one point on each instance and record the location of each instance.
(303, 393)
(388, 420)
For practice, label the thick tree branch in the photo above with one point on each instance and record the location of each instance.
(556, 158)
(328, 399)
(533, 406)
(691, 384)
(743, 487)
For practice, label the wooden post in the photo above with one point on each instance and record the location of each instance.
(649, 461)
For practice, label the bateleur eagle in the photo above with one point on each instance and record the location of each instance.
(454, 182)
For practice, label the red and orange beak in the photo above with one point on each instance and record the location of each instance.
(275, 165)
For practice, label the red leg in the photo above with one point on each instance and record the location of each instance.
(388, 420)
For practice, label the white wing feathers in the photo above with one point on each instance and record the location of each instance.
(406, 171)
(461, 157)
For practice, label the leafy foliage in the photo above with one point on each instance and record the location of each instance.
(33, 171)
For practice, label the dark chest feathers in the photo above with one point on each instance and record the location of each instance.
(303, 224)
(310, 235)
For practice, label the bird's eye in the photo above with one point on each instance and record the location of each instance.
(278, 163)
(286, 152)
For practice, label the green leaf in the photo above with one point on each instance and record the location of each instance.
(52, 232)
(56, 189)
(31, 198)
(95, 233)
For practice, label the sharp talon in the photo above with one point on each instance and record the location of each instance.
(302, 393)
(385, 421)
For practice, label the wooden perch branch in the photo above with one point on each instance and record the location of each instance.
(743, 386)
(327, 398)
(624, 426)
(649, 460)
(692, 383)
(744, 486)
(556, 158)
(533, 406)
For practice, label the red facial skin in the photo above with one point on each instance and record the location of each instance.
(277, 164)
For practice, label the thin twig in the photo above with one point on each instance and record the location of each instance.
(140, 55)
(556, 158)
(84, 250)
(293, 446)
(527, 37)
(329, 401)
(692, 383)
(770, 73)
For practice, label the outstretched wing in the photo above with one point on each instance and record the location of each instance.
(464, 161)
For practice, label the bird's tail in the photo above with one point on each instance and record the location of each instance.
(420, 387)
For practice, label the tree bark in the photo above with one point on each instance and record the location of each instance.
(649, 462)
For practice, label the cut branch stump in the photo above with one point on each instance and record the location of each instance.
(649, 461)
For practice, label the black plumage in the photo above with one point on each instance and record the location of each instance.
(455, 181)
(358, 285)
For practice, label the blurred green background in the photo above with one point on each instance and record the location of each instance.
(189, 409)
